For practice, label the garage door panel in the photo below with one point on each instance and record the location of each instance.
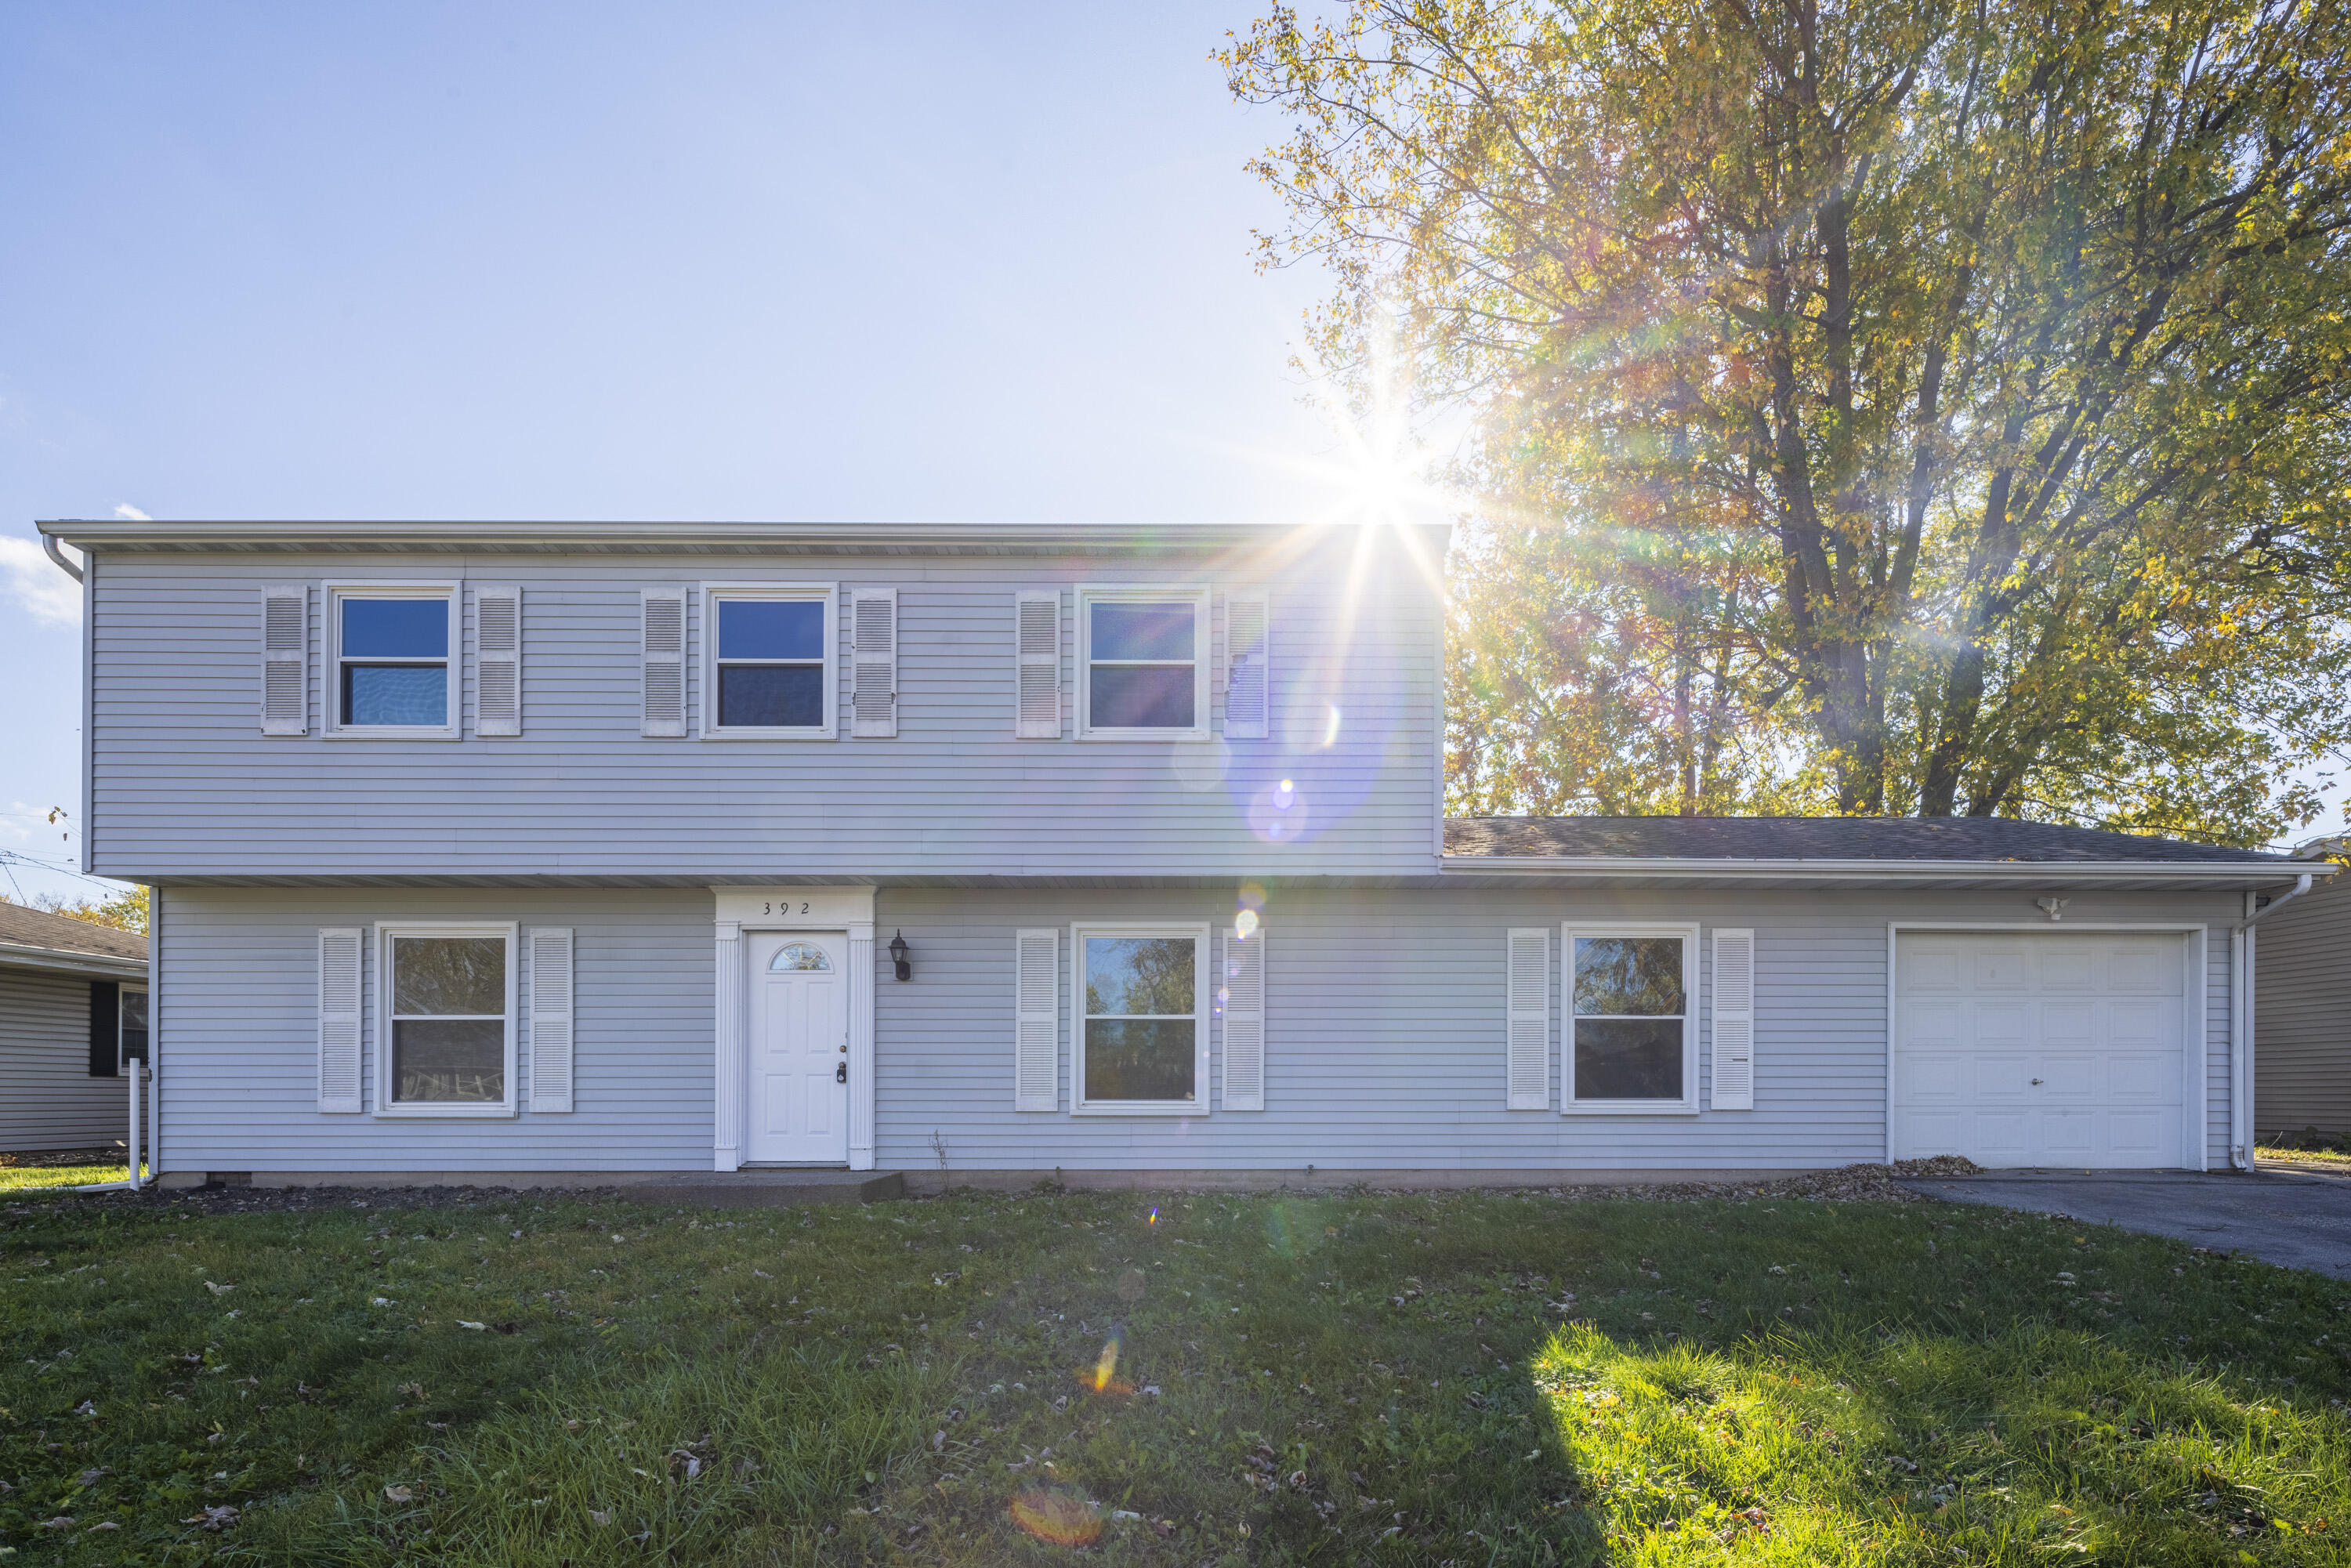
(2001, 969)
(2001, 1024)
(2063, 1049)
(2069, 1023)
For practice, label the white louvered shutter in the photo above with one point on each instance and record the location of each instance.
(873, 662)
(498, 659)
(1245, 1020)
(1734, 1020)
(665, 656)
(550, 1018)
(1036, 1031)
(1038, 633)
(1527, 1028)
(1249, 681)
(338, 1017)
(285, 659)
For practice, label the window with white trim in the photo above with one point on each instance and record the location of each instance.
(393, 660)
(445, 995)
(1631, 1037)
(768, 664)
(1143, 663)
(1142, 1026)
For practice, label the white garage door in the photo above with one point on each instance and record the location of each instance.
(2039, 1049)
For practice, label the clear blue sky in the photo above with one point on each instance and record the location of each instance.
(716, 260)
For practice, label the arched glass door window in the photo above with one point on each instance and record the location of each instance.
(800, 956)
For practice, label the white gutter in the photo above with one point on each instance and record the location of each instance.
(1682, 866)
(2242, 958)
(104, 966)
(49, 543)
(85, 532)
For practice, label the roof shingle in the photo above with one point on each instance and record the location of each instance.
(23, 928)
(1820, 838)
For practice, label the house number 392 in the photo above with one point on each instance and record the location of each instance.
(769, 908)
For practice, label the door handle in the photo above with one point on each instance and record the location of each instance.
(2036, 1082)
(840, 1073)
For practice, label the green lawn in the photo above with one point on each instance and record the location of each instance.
(82, 1173)
(1378, 1378)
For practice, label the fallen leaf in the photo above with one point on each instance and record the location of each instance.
(400, 1494)
(218, 1290)
(463, 1324)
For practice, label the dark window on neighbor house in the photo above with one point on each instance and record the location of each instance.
(105, 1029)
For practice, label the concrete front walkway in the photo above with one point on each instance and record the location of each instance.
(2300, 1219)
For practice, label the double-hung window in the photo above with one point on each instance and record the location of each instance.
(393, 671)
(769, 672)
(1143, 662)
(446, 1045)
(1631, 1040)
(1142, 1035)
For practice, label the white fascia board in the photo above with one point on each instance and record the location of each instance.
(2234, 872)
(99, 966)
(670, 536)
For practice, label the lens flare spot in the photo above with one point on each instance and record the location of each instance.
(1154, 1217)
(1057, 1517)
(1245, 924)
(1251, 896)
(1279, 813)
(1331, 729)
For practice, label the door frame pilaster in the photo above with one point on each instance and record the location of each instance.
(743, 910)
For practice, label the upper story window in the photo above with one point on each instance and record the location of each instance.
(392, 660)
(768, 673)
(1630, 1041)
(1143, 663)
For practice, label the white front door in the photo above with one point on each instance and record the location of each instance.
(800, 1047)
(2041, 1047)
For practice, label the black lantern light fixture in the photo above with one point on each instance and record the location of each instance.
(898, 956)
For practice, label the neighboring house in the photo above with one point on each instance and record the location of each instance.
(73, 1009)
(528, 850)
(2302, 1041)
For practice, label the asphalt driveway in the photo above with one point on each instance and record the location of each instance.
(2300, 1219)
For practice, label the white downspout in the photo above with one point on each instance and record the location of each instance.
(2241, 1021)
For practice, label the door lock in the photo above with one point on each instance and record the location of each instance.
(840, 1073)
(2036, 1082)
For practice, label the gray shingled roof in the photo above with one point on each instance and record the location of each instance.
(1818, 838)
(23, 928)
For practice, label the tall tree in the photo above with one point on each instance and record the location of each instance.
(1938, 404)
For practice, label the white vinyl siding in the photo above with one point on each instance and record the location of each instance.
(1036, 1029)
(1732, 983)
(498, 659)
(1104, 666)
(873, 663)
(1248, 676)
(550, 1018)
(1526, 1047)
(662, 632)
(1576, 1097)
(720, 663)
(1244, 1011)
(285, 659)
(339, 949)
(347, 659)
(1037, 676)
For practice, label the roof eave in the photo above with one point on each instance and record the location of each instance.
(86, 533)
(2222, 872)
(66, 960)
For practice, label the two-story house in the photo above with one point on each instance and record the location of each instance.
(531, 851)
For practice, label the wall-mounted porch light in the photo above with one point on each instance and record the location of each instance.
(899, 954)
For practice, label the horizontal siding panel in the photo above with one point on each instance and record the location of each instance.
(183, 783)
(47, 1098)
(1384, 1032)
(2301, 1032)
